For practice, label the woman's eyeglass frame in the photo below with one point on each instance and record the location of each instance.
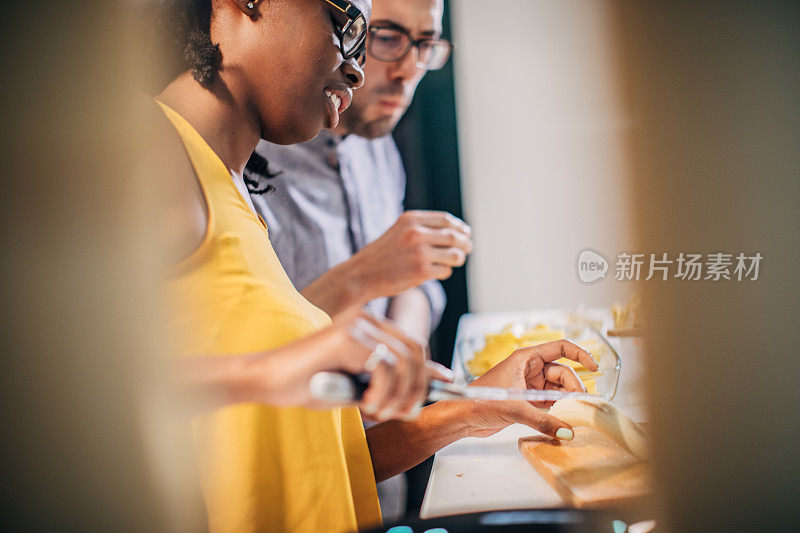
(353, 15)
(411, 44)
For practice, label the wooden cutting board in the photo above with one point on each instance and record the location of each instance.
(590, 470)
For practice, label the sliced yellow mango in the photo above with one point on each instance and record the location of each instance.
(503, 343)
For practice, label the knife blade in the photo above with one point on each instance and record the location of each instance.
(340, 387)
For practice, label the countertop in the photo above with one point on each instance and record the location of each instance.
(473, 474)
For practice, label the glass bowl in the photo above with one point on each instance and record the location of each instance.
(605, 380)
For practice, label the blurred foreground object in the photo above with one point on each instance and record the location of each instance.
(713, 93)
(90, 440)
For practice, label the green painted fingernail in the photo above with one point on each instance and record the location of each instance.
(564, 434)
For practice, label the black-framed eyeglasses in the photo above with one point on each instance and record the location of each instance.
(392, 43)
(352, 32)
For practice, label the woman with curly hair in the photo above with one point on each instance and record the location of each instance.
(280, 70)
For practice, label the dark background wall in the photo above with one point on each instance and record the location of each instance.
(428, 141)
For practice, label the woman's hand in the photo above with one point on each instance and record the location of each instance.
(528, 368)
(356, 343)
(399, 366)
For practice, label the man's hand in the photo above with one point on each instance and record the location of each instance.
(528, 368)
(420, 246)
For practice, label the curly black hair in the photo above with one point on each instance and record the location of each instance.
(181, 30)
(257, 173)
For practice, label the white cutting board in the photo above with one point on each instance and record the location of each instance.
(474, 475)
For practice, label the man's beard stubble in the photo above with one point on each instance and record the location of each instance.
(374, 128)
(353, 120)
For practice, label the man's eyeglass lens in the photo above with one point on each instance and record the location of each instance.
(389, 44)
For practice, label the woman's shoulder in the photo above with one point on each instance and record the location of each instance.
(171, 177)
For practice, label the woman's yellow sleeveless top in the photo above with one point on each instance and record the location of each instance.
(261, 468)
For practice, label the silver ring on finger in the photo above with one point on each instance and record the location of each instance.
(380, 353)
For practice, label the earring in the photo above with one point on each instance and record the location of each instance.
(250, 7)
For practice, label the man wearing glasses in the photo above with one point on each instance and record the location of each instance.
(333, 205)
(329, 198)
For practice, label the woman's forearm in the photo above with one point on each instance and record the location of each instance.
(212, 382)
(278, 377)
(396, 445)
